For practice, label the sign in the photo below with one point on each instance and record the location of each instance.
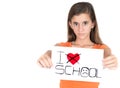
(81, 64)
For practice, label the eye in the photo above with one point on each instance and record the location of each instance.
(75, 23)
(85, 22)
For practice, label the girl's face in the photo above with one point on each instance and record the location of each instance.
(81, 25)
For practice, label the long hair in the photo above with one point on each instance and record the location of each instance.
(83, 7)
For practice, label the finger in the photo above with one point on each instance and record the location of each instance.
(50, 62)
(110, 66)
(110, 62)
(47, 62)
(109, 59)
(41, 63)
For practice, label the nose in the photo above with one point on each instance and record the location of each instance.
(80, 28)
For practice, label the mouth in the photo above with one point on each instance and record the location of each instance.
(81, 33)
(84, 73)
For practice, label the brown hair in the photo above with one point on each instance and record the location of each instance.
(83, 7)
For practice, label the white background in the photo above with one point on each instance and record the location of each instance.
(29, 27)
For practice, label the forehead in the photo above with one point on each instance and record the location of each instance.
(81, 17)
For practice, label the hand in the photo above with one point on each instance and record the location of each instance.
(45, 60)
(110, 62)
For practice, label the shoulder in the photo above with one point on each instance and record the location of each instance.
(100, 46)
(64, 44)
(107, 50)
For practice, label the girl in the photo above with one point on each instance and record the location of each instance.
(82, 33)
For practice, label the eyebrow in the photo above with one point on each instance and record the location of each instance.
(75, 22)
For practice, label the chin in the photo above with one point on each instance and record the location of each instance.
(81, 37)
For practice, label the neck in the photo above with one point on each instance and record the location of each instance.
(82, 43)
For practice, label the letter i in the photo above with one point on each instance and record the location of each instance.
(60, 57)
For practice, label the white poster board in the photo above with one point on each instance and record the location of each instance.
(77, 63)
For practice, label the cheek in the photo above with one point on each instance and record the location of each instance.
(75, 31)
(87, 29)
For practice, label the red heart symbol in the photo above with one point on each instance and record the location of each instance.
(73, 58)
